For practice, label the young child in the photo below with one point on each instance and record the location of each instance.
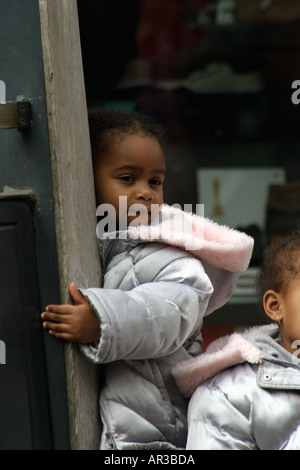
(158, 282)
(246, 386)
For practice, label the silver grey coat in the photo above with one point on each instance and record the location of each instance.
(250, 406)
(151, 311)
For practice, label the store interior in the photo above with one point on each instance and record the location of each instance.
(222, 77)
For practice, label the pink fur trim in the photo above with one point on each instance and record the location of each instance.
(219, 245)
(221, 354)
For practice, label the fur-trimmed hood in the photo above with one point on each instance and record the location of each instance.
(223, 353)
(216, 244)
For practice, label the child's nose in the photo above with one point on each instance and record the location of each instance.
(144, 193)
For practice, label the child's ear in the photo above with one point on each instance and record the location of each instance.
(272, 302)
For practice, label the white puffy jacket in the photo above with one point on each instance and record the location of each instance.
(245, 394)
(159, 282)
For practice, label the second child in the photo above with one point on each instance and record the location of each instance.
(246, 387)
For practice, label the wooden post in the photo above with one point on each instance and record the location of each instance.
(74, 199)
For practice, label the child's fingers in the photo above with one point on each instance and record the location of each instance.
(55, 322)
(60, 309)
(76, 295)
(59, 331)
(53, 317)
(63, 331)
(55, 314)
(61, 336)
(57, 327)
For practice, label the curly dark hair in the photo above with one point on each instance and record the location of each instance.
(108, 124)
(281, 264)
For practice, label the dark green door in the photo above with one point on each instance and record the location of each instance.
(33, 399)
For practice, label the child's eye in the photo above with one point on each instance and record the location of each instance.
(127, 178)
(156, 181)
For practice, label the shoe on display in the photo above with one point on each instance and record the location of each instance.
(216, 78)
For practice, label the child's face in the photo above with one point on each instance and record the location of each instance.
(134, 167)
(290, 315)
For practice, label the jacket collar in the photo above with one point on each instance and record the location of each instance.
(274, 376)
(256, 346)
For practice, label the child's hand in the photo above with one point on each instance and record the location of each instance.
(77, 323)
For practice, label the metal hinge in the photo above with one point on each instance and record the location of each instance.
(15, 115)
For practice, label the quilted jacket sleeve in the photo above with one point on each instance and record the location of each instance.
(153, 319)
